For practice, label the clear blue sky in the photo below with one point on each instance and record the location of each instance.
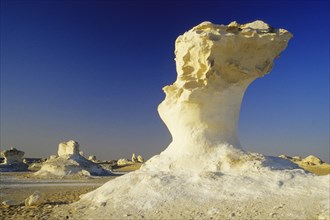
(93, 71)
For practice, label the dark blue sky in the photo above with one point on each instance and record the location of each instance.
(92, 71)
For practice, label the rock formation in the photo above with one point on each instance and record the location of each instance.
(92, 158)
(134, 158)
(36, 199)
(70, 162)
(123, 162)
(204, 173)
(68, 148)
(215, 65)
(312, 160)
(13, 161)
(13, 156)
(140, 159)
(311, 163)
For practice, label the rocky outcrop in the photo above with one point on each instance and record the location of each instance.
(134, 158)
(140, 159)
(68, 148)
(205, 172)
(124, 162)
(13, 156)
(312, 160)
(311, 163)
(92, 158)
(13, 161)
(215, 65)
(70, 162)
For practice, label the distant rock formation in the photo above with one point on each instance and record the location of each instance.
(70, 162)
(312, 160)
(92, 158)
(140, 159)
(13, 161)
(13, 156)
(311, 163)
(68, 148)
(134, 159)
(124, 162)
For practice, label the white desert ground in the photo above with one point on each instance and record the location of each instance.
(15, 187)
(204, 173)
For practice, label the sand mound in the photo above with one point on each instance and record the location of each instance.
(253, 192)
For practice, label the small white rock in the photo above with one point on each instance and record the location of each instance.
(35, 199)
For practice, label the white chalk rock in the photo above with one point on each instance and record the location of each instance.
(205, 168)
(13, 156)
(140, 159)
(215, 65)
(36, 199)
(70, 162)
(134, 158)
(92, 158)
(123, 162)
(13, 161)
(312, 160)
(68, 148)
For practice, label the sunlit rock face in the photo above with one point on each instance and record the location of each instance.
(68, 148)
(215, 65)
(204, 173)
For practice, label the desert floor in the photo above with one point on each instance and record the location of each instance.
(17, 186)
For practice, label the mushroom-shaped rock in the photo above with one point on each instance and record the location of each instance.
(215, 65)
(70, 162)
(13, 156)
(13, 161)
(204, 170)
